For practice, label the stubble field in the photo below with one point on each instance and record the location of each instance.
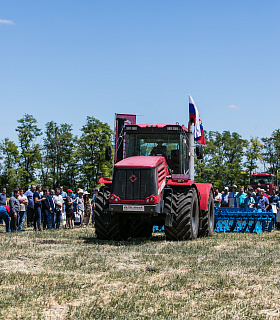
(68, 274)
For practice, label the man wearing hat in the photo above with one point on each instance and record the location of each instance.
(80, 203)
(88, 209)
(233, 192)
(262, 202)
(224, 202)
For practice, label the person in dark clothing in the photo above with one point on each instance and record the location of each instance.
(14, 209)
(30, 207)
(69, 208)
(274, 198)
(46, 210)
(3, 201)
(51, 201)
(37, 208)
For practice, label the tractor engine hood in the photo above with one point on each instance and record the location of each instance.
(141, 162)
(139, 180)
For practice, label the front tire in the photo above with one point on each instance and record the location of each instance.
(186, 216)
(108, 226)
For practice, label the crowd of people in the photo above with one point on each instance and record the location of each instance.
(258, 198)
(53, 207)
(46, 208)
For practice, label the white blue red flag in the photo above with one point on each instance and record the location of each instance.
(195, 119)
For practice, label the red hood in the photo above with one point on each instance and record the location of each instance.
(141, 162)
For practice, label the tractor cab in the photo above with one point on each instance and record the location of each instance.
(169, 141)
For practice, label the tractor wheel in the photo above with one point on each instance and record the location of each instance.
(207, 219)
(110, 227)
(185, 217)
(139, 229)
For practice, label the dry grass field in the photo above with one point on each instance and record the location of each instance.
(68, 274)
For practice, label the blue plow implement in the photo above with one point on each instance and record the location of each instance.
(243, 220)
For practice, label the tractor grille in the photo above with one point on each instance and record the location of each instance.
(134, 184)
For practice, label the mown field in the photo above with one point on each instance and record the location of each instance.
(68, 274)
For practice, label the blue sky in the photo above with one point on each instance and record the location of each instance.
(64, 60)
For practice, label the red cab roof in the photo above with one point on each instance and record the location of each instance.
(263, 174)
(141, 161)
(159, 125)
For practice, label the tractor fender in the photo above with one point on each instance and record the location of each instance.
(204, 190)
(106, 180)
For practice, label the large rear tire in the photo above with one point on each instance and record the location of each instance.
(207, 219)
(185, 217)
(108, 226)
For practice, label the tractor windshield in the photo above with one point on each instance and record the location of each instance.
(171, 146)
(261, 180)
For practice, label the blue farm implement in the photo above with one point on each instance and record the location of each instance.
(243, 220)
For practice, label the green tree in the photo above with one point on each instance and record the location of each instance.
(59, 165)
(69, 156)
(271, 152)
(222, 165)
(50, 156)
(10, 164)
(253, 155)
(30, 156)
(96, 136)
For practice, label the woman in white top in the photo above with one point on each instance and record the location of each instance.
(23, 203)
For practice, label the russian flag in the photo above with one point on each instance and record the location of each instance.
(195, 119)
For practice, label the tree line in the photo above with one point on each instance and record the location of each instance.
(230, 159)
(55, 156)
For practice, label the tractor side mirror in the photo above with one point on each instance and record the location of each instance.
(108, 153)
(199, 152)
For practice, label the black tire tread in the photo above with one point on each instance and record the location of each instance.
(182, 215)
(104, 229)
(205, 230)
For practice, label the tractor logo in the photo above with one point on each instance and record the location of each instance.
(132, 178)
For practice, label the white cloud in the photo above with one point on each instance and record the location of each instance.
(232, 106)
(6, 21)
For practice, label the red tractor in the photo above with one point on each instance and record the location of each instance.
(153, 184)
(263, 180)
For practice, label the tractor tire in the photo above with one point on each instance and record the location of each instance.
(207, 219)
(185, 217)
(110, 227)
(140, 229)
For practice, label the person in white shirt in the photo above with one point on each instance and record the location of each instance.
(58, 202)
(23, 203)
(217, 198)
